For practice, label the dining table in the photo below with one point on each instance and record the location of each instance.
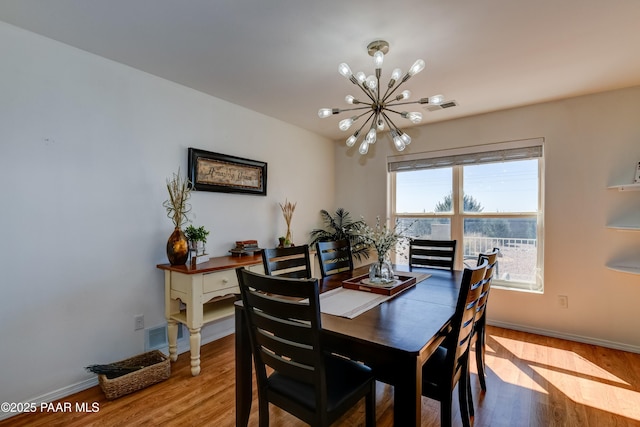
(394, 338)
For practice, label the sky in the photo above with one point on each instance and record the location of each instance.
(499, 187)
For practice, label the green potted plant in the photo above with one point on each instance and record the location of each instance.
(341, 226)
(197, 238)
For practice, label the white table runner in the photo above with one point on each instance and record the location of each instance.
(349, 303)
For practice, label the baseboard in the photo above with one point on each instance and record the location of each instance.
(565, 336)
(61, 393)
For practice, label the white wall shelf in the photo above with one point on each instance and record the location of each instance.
(626, 268)
(626, 187)
(632, 267)
(624, 227)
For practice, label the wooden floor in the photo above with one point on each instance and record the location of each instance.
(532, 381)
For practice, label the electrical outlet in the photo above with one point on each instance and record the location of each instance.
(139, 321)
(563, 301)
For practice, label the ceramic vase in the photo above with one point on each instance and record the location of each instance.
(177, 247)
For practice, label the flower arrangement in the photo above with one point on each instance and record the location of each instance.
(382, 238)
(179, 189)
(287, 212)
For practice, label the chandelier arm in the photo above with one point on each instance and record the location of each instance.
(341, 110)
(366, 91)
(394, 89)
(389, 122)
(408, 102)
(363, 115)
(393, 111)
(366, 121)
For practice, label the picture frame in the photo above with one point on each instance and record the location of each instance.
(209, 171)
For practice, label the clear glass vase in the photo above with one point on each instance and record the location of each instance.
(381, 272)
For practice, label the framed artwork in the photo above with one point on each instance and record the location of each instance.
(222, 173)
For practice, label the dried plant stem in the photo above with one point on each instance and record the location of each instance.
(179, 189)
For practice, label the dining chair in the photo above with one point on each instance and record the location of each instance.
(334, 257)
(432, 254)
(479, 329)
(284, 330)
(449, 364)
(293, 262)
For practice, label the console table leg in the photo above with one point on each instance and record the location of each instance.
(194, 344)
(172, 332)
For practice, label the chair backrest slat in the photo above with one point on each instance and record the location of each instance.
(334, 257)
(432, 253)
(293, 262)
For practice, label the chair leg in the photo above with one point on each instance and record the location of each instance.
(263, 413)
(445, 411)
(463, 397)
(480, 356)
(470, 396)
(370, 406)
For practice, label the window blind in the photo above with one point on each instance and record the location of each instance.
(490, 153)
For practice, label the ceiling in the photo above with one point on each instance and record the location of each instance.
(280, 57)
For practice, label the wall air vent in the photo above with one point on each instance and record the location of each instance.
(156, 338)
(445, 104)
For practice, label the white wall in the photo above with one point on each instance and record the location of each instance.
(591, 142)
(86, 146)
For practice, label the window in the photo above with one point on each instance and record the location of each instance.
(483, 197)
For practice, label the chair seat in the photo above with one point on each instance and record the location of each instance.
(344, 379)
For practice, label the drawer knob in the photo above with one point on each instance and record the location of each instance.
(225, 280)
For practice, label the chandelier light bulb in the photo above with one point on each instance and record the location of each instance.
(436, 99)
(324, 112)
(371, 136)
(380, 125)
(344, 70)
(364, 148)
(351, 140)
(414, 116)
(345, 124)
(372, 82)
(416, 67)
(398, 143)
(378, 59)
(350, 99)
(361, 77)
(404, 95)
(405, 138)
(396, 74)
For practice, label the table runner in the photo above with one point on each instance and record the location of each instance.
(349, 303)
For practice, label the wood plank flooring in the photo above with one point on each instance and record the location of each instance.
(532, 381)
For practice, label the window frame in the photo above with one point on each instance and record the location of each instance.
(458, 216)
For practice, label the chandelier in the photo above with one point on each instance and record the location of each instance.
(378, 106)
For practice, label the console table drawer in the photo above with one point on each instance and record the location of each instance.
(227, 279)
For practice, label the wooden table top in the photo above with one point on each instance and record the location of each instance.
(214, 264)
(408, 321)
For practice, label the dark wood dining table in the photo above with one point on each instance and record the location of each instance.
(394, 338)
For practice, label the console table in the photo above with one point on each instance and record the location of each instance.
(197, 295)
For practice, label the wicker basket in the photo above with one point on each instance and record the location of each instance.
(156, 368)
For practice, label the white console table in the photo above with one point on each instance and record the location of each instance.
(197, 295)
